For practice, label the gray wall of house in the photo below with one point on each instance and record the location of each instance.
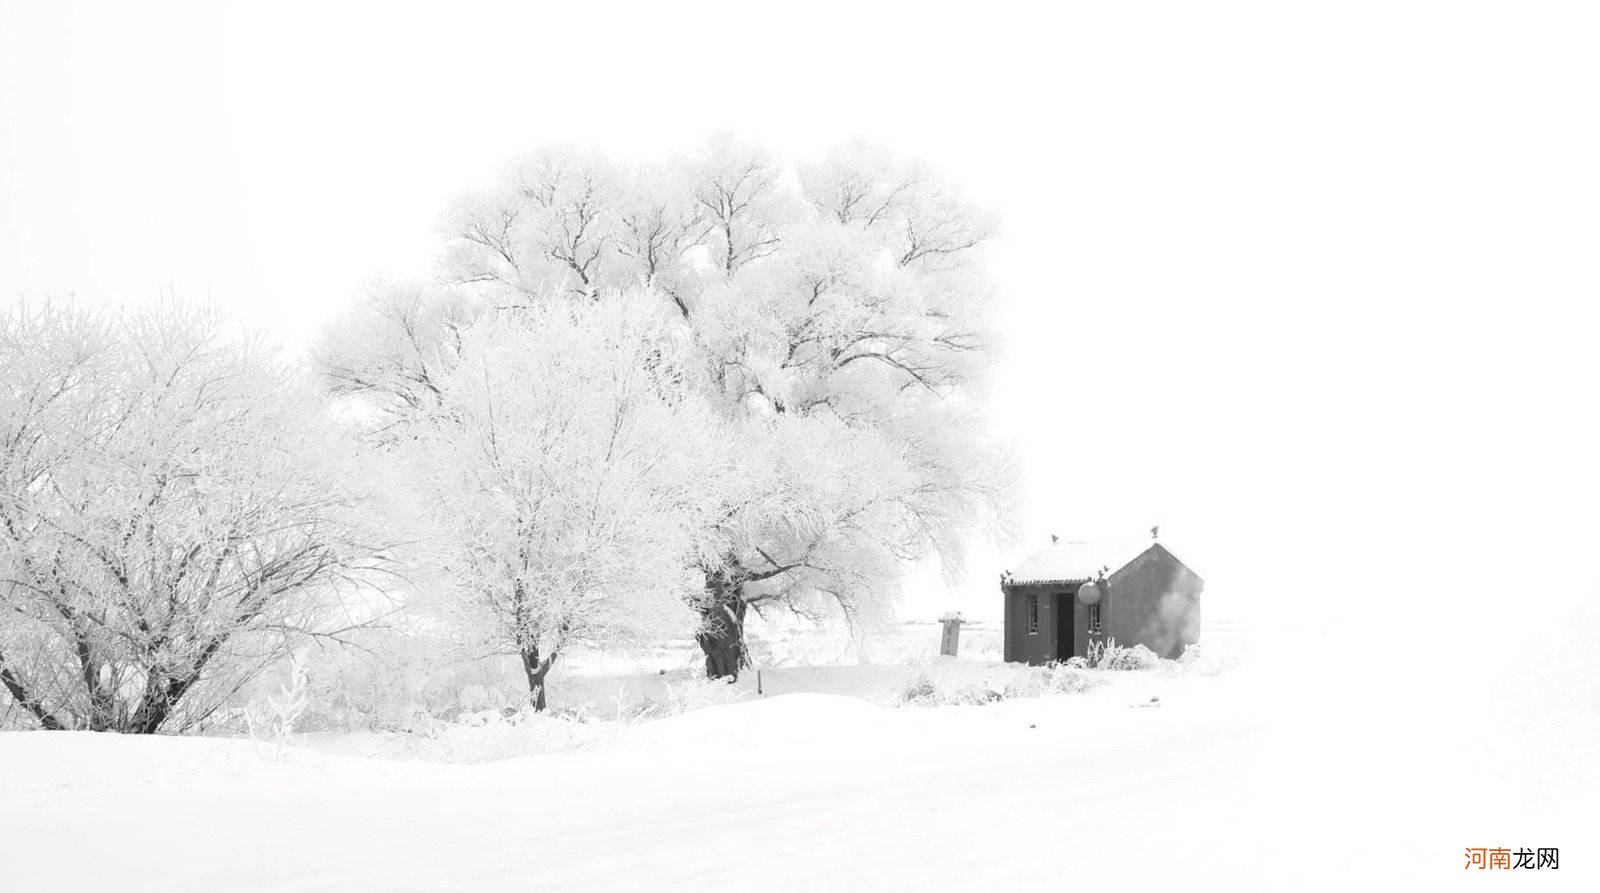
(1040, 647)
(1153, 601)
(1020, 644)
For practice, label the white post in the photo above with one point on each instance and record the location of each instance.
(952, 634)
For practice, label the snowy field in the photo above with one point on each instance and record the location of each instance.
(1180, 777)
(790, 792)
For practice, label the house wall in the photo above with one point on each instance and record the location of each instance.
(1040, 648)
(1154, 601)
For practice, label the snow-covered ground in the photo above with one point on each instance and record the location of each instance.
(1228, 779)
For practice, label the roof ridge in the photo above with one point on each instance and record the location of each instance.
(1073, 561)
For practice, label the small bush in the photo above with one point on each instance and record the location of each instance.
(697, 692)
(1108, 655)
(273, 722)
(1136, 658)
(1065, 679)
(1096, 652)
(1199, 662)
(999, 684)
(1053, 679)
(923, 691)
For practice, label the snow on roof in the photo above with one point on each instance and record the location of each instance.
(1064, 562)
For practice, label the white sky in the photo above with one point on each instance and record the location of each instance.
(1312, 290)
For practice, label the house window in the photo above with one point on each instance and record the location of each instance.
(1033, 615)
(1094, 620)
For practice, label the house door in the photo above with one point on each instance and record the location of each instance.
(1064, 610)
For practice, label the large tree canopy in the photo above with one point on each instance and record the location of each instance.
(837, 319)
(571, 476)
(171, 514)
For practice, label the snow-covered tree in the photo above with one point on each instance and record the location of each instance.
(571, 473)
(838, 321)
(172, 515)
(389, 351)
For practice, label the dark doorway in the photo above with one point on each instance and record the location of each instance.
(1064, 611)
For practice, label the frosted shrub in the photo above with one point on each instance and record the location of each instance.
(1064, 678)
(274, 721)
(1054, 679)
(394, 677)
(1136, 658)
(924, 691)
(480, 718)
(1031, 684)
(1097, 652)
(692, 694)
(941, 684)
(1108, 655)
(419, 720)
(921, 691)
(494, 735)
(474, 699)
(1199, 662)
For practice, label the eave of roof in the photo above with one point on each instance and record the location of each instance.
(1066, 563)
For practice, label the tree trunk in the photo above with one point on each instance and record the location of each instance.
(721, 633)
(163, 692)
(98, 690)
(33, 705)
(160, 696)
(536, 670)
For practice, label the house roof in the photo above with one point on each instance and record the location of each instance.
(1077, 562)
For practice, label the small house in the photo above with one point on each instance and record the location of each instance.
(1070, 594)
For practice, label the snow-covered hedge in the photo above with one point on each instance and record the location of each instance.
(930, 689)
(1108, 655)
(1201, 662)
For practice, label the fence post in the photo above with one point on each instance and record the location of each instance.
(951, 639)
